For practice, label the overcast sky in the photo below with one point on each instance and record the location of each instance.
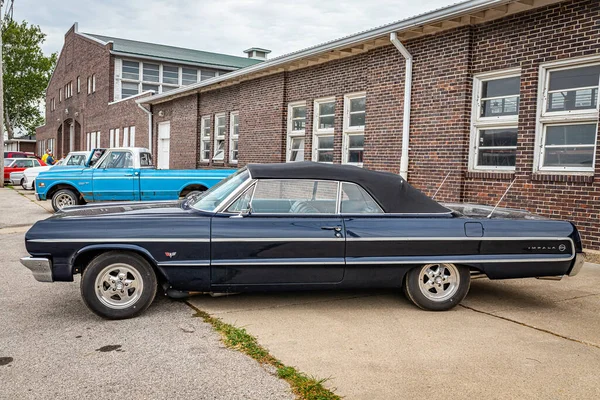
(225, 26)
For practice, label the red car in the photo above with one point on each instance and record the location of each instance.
(19, 154)
(18, 165)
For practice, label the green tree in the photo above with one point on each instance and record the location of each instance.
(26, 74)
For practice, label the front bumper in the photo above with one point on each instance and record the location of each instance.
(40, 267)
(577, 264)
(15, 179)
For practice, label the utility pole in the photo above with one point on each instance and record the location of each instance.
(1, 107)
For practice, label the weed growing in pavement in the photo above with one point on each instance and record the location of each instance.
(303, 386)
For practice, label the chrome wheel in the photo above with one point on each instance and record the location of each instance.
(64, 200)
(119, 286)
(438, 282)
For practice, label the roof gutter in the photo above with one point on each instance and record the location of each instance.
(430, 17)
(407, 99)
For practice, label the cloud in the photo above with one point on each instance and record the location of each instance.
(224, 26)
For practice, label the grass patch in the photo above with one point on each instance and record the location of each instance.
(304, 387)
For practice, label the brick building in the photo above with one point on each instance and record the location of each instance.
(482, 93)
(91, 97)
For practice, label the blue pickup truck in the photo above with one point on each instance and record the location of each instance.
(121, 174)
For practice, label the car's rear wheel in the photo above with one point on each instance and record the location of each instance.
(23, 183)
(64, 198)
(437, 287)
(118, 285)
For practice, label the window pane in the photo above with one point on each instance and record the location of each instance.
(206, 127)
(206, 74)
(493, 157)
(501, 87)
(325, 156)
(500, 107)
(357, 119)
(327, 108)
(355, 200)
(297, 149)
(219, 150)
(170, 75)
(325, 142)
(147, 86)
(326, 122)
(356, 141)
(357, 104)
(295, 196)
(167, 88)
(189, 76)
(298, 124)
(582, 99)
(131, 70)
(571, 134)
(151, 72)
(498, 137)
(355, 156)
(575, 78)
(581, 157)
(299, 112)
(129, 89)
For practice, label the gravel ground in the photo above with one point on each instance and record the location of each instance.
(52, 346)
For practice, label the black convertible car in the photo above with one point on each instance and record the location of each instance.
(295, 226)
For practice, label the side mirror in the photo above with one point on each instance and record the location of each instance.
(247, 212)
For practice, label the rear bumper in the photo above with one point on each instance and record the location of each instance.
(40, 267)
(577, 264)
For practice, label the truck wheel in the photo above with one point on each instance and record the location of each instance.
(64, 198)
(118, 285)
(437, 287)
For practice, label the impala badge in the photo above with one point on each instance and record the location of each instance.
(170, 255)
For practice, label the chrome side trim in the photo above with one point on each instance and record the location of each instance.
(276, 262)
(40, 267)
(578, 264)
(121, 240)
(425, 238)
(427, 260)
(279, 239)
(183, 264)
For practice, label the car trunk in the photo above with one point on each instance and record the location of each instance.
(482, 211)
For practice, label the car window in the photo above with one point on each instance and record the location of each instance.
(146, 160)
(243, 202)
(8, 162)
(355, 200)
(117, 159)
(98, 153)
(295, 196)
(36, 163)
(76, 159)
(23, 164)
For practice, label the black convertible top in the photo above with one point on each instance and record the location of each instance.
(391, 191)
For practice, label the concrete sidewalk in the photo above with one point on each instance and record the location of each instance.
(517, 339)
(19, 210)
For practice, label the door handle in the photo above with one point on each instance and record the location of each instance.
(332, 228)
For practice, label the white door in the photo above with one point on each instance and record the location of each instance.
(164, 139)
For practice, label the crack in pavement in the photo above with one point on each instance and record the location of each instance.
(14, 229)
(532, 327)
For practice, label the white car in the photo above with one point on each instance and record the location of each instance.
(74, 158)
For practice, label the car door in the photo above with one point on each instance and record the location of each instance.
(115, 177)
(292, 235)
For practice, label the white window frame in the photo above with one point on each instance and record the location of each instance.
(126, 136)
(89, 85)
(132, 136)
(317, 132)
(352, 130)
(291, 133)
(219, 137)
(232, 136)
(94, 83)
(571, 117)
(78, 84)
(111, 135)
(485, 123)
(205, 138)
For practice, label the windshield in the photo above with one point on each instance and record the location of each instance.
(211, 199)
(8, 162)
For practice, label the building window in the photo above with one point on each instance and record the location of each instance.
(207, 74)
(94, 83)
(78, 84)
(129, 89)
(93, 140)
(495, 116)
(568, 116)
(130, 70)
(129, 136)
(59, 95)
(323, 129)
(170, 75)
(234, 134)
(111, 136)
(220, 128)
(50, 144)
(296, 130)
(189, 76)
(205, 139)
(151, 72)
(89, 85)
(354, 128)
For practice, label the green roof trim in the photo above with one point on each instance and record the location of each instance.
(176, 54)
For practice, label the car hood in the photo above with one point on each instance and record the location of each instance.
(37, 170)
(120, 209)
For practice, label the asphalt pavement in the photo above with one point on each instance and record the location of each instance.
(52, 346)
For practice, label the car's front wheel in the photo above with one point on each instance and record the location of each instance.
(23, 183)
(64, 198)
(118, 285)
(437, 287)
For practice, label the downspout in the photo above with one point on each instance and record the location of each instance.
(407, 98)
(149, 125)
